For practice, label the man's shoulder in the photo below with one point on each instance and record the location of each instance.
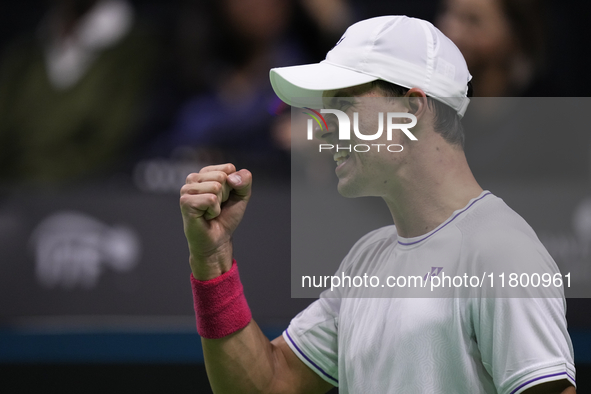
(496, 234)
(494, 221)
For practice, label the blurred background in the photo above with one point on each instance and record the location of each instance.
(107, 105)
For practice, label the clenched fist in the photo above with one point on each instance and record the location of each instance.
(213, 203)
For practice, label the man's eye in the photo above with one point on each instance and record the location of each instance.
(343, 104)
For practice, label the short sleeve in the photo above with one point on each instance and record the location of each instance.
(313, 333)
(313, 337)
(523, 341)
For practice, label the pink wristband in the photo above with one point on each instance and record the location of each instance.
(220, 305)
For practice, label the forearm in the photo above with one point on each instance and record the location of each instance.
(243, 362)
(238, 356)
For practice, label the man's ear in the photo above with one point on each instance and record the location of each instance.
(417, 101)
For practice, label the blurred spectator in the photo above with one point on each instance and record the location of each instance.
(71, 95)
(511, 132)
(503, 42)
(232, 44)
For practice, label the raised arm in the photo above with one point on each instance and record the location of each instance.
(213, 204)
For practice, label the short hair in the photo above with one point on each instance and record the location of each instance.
(446, 120)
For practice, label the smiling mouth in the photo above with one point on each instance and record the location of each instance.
(340, 157)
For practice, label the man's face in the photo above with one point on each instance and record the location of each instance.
(371, 173)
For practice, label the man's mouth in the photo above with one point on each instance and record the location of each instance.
(340, 157)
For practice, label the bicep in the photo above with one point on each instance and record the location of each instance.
(293, 376)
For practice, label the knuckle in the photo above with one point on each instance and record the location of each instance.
(217, 187)
(184, 200)
(192, 177)
(212, 199)
(185, 189)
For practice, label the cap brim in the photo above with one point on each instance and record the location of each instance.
(302, 86)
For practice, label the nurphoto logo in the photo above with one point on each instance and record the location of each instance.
(392, 119)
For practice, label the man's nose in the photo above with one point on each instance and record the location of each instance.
(322, 133)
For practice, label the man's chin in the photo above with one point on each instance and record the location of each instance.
(347, 190)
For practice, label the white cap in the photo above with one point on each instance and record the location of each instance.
(405, 51)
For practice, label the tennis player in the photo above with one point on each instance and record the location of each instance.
(367, 344)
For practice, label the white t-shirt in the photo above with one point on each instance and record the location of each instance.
(365, 343)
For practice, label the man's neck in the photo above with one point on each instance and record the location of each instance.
(426, 194)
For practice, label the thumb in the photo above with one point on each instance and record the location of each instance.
(241, 182)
